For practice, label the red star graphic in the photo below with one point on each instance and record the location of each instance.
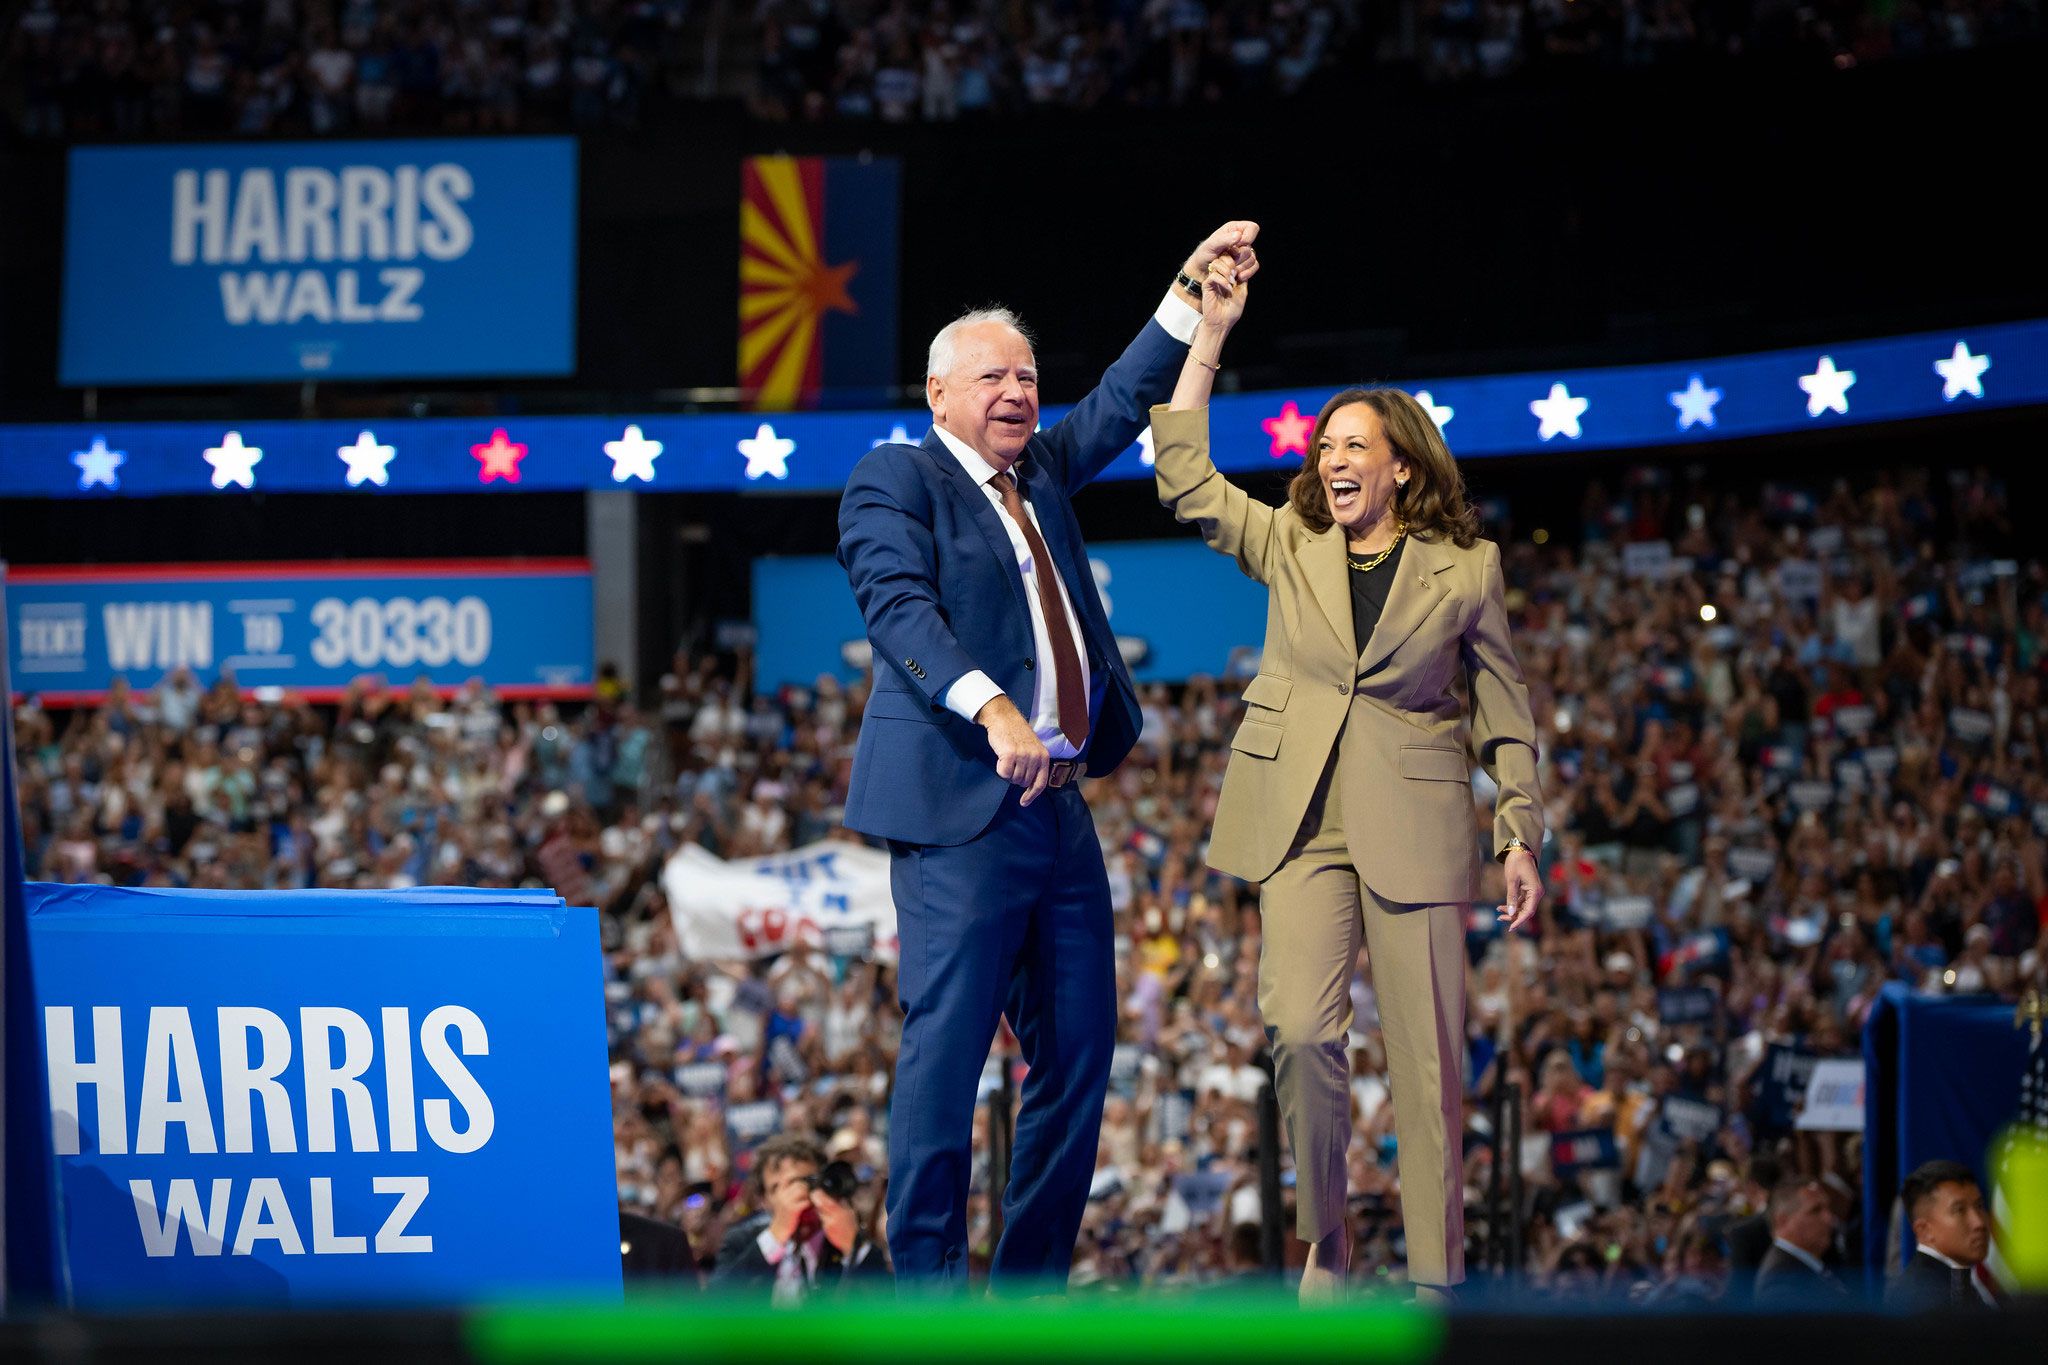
(500, 458)
(826, 287)
(1290, 430)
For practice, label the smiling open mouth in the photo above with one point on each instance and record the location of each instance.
(1344, 494)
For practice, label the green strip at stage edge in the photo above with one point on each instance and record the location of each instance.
(1185, 1329)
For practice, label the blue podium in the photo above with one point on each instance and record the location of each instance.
(318, 1096)
(1942, 1079)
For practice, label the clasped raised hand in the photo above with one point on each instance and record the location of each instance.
(1233, 240)
(1225, 288)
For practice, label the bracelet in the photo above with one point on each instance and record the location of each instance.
(1512, 846)
(1212, 368)
(1193, 287)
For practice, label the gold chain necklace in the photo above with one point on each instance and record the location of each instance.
(1379, 558)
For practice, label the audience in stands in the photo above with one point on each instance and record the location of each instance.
(128, 68)
(1761, 815)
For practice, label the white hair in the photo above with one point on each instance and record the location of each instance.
(940, 359)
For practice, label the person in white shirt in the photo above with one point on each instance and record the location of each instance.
(998, 682)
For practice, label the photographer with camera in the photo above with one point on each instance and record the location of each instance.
(813, 1242)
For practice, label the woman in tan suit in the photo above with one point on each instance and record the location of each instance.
(1348, 794)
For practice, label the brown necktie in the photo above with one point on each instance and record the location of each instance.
(1073, 698)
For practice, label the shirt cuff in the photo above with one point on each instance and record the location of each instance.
(771, 1250)
(969, 693)
(1179, 315)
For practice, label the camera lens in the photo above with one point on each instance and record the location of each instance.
(837, 1180)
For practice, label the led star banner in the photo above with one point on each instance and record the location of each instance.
(1623, 408)
(316, 260)
(818, 259)
(523, 628)
(301, 1098)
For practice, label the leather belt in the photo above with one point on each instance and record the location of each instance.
(1064, 770)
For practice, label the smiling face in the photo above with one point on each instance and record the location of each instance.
(1358, 466)
(989, 398)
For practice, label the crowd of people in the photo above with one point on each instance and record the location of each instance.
(129, 68)
(1792, 751)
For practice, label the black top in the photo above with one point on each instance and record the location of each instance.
(1785, 1281)
(1369, 589)
(1927, 1283)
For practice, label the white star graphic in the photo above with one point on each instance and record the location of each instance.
(1962, 373)
(1437, 414)
(1695, 403)
(767, 453)
(1559, 414)
(1147, 454)
(633, 456)
(899, 435)
(233, 462)
(97, 465)
(367, 461)
(1827, 387)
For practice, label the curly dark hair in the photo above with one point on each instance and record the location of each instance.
(785, 1147)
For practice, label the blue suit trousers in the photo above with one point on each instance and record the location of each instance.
(1015, 923)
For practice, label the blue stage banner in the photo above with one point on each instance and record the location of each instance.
(322, 1097)
(522, 627)
(320, 260)
(1853, 383)
(1178, 609)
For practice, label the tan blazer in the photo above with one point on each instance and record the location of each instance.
(1445, 623)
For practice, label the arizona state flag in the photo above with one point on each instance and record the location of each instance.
(818, 262)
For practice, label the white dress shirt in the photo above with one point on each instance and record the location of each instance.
(972, 691)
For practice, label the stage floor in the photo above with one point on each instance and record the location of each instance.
(1185, 1328)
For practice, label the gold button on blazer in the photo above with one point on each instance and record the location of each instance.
(1437, 681)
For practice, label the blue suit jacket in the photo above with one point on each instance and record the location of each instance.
(937, 584)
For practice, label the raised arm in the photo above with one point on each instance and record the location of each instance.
(1102, 426)
(1190, 485)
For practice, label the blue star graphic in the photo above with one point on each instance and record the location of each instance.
(1695, 403)
(97, 465)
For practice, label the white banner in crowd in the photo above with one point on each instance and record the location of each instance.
(1834, 1097)
(826, 895)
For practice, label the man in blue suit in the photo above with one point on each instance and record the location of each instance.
(997, 684)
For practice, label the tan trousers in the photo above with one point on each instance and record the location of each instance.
(1313, 910)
